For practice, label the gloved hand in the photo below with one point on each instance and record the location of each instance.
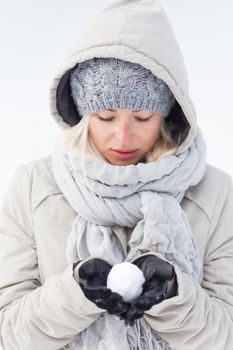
(157, 273)
(92, 279)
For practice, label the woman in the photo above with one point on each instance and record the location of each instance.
(127, 181)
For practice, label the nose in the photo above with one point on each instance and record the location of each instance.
(123, 132)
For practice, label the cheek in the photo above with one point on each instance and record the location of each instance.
(93, 133)
(151, 134)
(97, 135)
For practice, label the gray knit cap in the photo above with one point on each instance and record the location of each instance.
(110, 83)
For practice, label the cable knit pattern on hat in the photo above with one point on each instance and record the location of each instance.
(110, 83)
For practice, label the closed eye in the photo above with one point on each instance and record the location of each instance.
(140, 120)
(109, 119)
(105, 119)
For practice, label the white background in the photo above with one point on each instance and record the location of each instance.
(36, 36)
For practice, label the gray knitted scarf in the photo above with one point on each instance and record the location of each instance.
(145, 197)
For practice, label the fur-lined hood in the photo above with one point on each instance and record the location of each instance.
(137, 31)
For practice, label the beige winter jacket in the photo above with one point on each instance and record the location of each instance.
(41, 305)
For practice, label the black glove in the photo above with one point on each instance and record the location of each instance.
(157, 273)
(92, 279)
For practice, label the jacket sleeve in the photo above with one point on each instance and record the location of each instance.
(34, 316)
(201, 316)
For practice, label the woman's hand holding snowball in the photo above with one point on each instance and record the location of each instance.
(157, 273)
(93, 281)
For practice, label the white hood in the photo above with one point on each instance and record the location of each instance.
(137, 31)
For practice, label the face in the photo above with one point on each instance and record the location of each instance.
(124, 136)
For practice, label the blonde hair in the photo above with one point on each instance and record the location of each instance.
(76, 141)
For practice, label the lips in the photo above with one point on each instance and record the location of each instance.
(124, 154)
(124, 150)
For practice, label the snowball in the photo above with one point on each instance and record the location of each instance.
(127, 280)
